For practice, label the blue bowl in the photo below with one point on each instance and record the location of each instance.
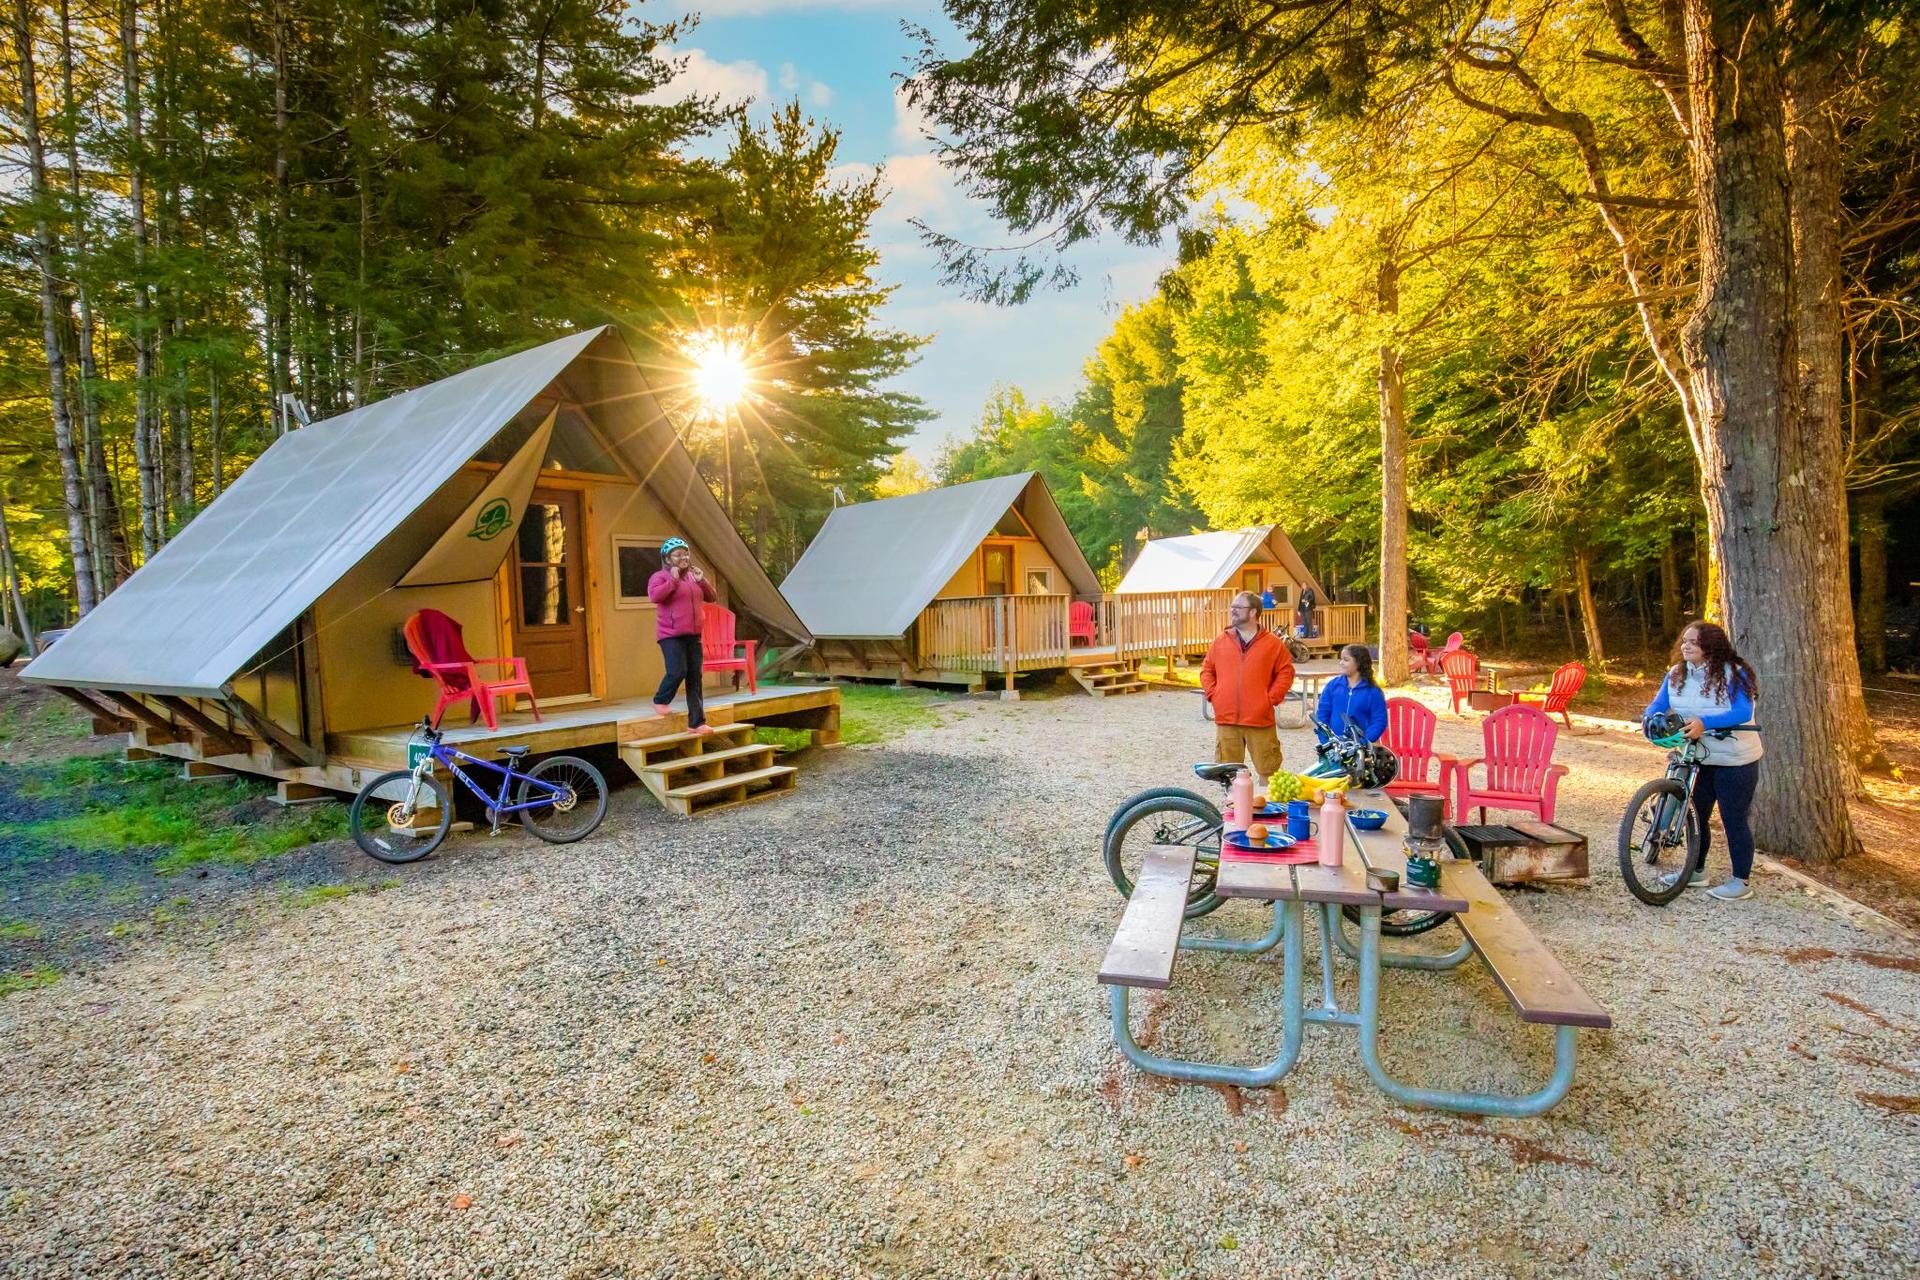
(1367, 819)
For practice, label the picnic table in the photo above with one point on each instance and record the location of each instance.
(1536, 985)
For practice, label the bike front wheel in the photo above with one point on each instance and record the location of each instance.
(1659, 842)
(569, 813)
(404, 830)
(1165, 816)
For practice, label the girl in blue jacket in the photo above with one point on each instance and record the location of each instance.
(1354, 694)
(1713, 688)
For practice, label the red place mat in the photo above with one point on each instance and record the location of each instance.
(1300, 852)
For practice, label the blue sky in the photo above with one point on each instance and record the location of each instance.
(843, 60)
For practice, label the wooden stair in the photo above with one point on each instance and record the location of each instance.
(1102, 679)
(695, 773)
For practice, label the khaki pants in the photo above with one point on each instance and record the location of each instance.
(1232, 743)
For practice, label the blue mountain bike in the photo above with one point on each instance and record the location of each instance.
(560, 799)
(1660, 836)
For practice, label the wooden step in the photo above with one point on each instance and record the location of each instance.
(642, 753)
(724, 792)
(1132, 686)
(689, 738)
(726, 760)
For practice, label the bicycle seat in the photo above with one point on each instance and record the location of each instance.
(514, 753)
(1220, 773)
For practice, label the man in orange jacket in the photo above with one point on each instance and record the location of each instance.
(1247, 672)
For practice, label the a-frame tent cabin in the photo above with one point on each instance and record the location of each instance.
(1261, 559)
(946, 586)
(526, 498)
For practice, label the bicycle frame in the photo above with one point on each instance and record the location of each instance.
(452, 758)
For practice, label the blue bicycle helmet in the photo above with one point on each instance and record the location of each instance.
(1665, 728)
(672, 545)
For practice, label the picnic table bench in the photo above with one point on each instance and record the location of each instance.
(1537, 986)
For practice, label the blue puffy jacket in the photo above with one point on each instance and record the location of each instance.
(1365, 703)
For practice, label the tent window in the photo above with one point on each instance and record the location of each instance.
(1012, 526)
(1039, 582)
(636, 560)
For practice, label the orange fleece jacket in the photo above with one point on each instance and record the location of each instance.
(1245, 687)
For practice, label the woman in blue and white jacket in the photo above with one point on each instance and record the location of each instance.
(1714, 688)
(1354, 693)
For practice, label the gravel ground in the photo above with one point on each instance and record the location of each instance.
(856, 1032)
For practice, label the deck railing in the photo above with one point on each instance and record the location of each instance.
(1029, 633)
(992, 633)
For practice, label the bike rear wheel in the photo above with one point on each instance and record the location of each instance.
(575, 811)
(1659, 841)
(390, 830)
(1166, 816)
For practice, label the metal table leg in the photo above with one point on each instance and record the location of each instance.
(1237, 946)
(1289, 915)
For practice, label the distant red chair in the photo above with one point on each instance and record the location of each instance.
(1410, 727)
(1416, 651)
(438, 651)
(719, 651)
(1435, 656)
(1517, 759)
(1566, 682)
(1080, 622)
(1462, 670)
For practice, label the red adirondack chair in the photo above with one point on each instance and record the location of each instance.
(719, 651)
(1435, 656)
(1462, 669)
(1079, 622)
(1410, 737)
(438, 651)
(1517, 759)
(1566, 682)
(1416, 651)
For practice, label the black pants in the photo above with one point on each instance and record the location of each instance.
(1732, 786)
(684, 656)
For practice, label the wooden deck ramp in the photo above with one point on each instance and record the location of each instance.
(692, 773)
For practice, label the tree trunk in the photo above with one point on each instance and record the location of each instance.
(1566, 616)
(1589, 616)
(1814, 166)
(1671, 619)
(11, 569)
(46, 262)
(1870, 520)
(213, 430)
(279, 319)
(1776, 556)
(92, 465)
(144, 453)
(1393, 493)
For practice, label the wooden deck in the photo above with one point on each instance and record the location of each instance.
(815, 708)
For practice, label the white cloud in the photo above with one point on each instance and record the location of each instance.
(819, 94)
(792, 81)
(701, 76)
(910, 124)
(921, 187)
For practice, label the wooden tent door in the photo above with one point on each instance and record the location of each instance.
(996, 568)
(550, 596)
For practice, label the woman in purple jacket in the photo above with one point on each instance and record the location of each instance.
(680, 590)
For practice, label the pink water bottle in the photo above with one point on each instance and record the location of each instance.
(1333, 831)
(1240, 797)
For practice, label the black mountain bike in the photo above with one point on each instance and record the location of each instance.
(404, 815)
(1660, 836)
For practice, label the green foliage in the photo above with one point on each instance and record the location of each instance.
(106, 806)
(315, 894)
(27, 980)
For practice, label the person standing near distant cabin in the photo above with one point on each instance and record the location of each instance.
(1247, 672)
(680, 590)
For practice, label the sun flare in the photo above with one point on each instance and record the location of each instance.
(720, 374)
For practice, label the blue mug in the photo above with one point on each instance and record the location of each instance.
(1299, 819)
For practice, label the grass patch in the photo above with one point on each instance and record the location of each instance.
(19, 930)
(104, 805)
(27, 980)
(875, 713)
(314, 895)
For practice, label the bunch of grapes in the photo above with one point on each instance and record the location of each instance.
(1282, 787)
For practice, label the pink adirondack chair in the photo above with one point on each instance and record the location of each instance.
(1410, 728)
(1566, 682)
(1517, 759)
(1080, 622)
(439, 651)
(1435, 656)
(1462, 669)
(719, 651)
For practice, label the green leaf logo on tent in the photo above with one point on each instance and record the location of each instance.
(492, 520)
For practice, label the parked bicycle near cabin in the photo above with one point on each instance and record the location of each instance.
(560, 799)
(1660, 837)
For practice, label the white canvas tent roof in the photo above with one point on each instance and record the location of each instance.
(874, 566)
(322, 497)
(1208, 561)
